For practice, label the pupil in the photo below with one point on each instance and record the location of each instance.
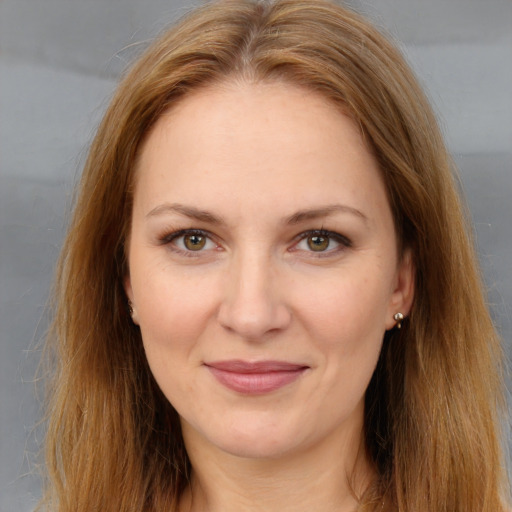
(195, 242)
(318, 243)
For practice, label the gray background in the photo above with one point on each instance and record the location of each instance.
(58, 63)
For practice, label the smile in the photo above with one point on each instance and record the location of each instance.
(255, 378)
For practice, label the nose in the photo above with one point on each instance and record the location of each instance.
(253, 304)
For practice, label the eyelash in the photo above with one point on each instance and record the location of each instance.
(169, 238)
(342, 240)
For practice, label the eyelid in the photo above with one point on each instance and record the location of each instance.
(170, 236)
(344, 241)
(174, 235)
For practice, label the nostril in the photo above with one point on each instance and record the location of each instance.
(253, 321)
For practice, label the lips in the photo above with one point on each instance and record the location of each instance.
(255, 378)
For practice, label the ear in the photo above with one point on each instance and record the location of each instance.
(127, 284)
(403, 294)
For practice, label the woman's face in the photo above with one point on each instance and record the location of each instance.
(263, 268)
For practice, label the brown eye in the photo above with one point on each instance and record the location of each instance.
(194, 242)
(318, 242)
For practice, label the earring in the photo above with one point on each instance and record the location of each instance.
(130, 307)
(398, 319)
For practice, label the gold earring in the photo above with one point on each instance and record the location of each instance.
(398, 319)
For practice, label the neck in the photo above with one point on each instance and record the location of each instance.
(316, 478)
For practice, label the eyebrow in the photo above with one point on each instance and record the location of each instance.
(296, 218)
(187, 211)
(324, 211)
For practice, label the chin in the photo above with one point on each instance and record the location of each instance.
(246, 437)
(261, 440)
(257, 448)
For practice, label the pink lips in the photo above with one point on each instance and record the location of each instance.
(255, 378)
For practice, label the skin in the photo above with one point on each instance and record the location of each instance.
(256, 158)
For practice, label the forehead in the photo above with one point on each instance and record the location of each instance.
(255, 145)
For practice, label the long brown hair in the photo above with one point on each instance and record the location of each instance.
(433, 406)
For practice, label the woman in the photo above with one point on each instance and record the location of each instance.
(268, 298)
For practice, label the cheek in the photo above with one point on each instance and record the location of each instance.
(173, 306)
(174, 314)
(346, 323)
(345, 308)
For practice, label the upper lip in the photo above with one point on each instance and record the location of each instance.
(240, 366)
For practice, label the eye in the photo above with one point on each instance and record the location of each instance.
(194, 242)
(189, 241)
(322, 241)
(318, 242)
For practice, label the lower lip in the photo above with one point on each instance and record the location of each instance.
(256, 383)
